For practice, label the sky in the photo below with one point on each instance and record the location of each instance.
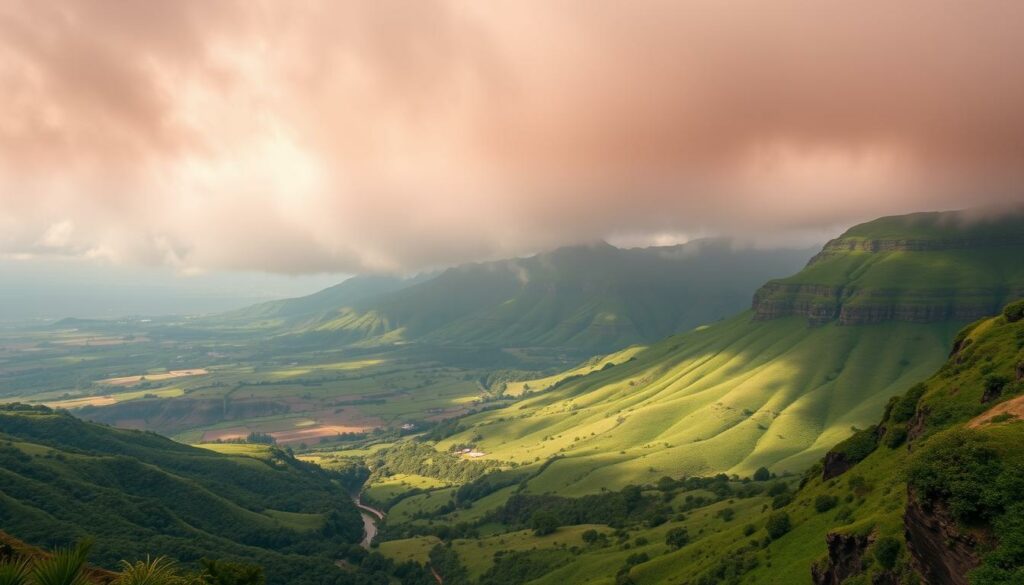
(331, 137)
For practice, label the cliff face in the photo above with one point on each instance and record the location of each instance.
(939, 551)
(845, 559)
(858, 280)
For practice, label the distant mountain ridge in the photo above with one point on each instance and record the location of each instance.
(588, 298)
(762, 388)
(922, 267)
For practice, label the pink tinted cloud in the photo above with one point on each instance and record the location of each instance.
(311, 136)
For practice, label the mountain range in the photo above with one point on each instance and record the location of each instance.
(586, 298)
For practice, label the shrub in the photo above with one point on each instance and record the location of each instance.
(778, 524)
(958, 467)
(1014, 311)
(637, 558)
(590, 536)
(887, 550)
(762, 474)
(782, 500)
(825, 502)
(905, 406)
(896, 436)
(677, 538)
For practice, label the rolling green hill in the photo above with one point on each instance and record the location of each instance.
(922, 267)
(293, 312)
(63, 479)
(587, 298)
(764, 388)
(929, 494)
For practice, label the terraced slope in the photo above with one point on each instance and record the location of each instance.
(923, 267)
(764, 388)
(62, 479)
(587, 298)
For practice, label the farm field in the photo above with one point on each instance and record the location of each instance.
(208, 385)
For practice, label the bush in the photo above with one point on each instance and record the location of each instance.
(677, 538)
(778, 524)
(887, 550)
(904, 407)
(762, 474)
(824, 503)
(590, 536)
(896, 436)
(958, 467)
(1014, 311)
(782, 500)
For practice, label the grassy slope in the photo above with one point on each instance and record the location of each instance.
(870, 498)
(953, 263)
(952, 399)
(138, 493)
(745, 393)
(726, 398)
(592, 298)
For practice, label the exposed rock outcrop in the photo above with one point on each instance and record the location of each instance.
(939, 551)
(836, 464)
(845, 558)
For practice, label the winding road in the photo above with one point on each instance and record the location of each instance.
(371, 516)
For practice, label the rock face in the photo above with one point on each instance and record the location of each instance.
(836, 464)
(845, 559)
(872, 275)
(939, 552)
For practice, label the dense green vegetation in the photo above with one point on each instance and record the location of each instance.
(62, 479)
(588, 298)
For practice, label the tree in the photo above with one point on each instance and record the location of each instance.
(590, 536)
(677, 538)
(778, 524)
(543, 523)
(762, 474)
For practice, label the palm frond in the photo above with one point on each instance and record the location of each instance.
(158, 571)
(14, 572)
(66, 566)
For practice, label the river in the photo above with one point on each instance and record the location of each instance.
(371, 516)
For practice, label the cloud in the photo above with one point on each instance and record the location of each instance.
(396, 135)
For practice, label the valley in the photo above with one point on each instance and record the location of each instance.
(576, 422)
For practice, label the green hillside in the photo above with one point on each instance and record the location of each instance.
(729, 398)
(62, 479)
(293, 312)
(923, 267)
(590, 298)
(930, 494)
(762, 388)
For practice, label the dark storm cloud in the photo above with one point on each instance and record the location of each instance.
(312, 136)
